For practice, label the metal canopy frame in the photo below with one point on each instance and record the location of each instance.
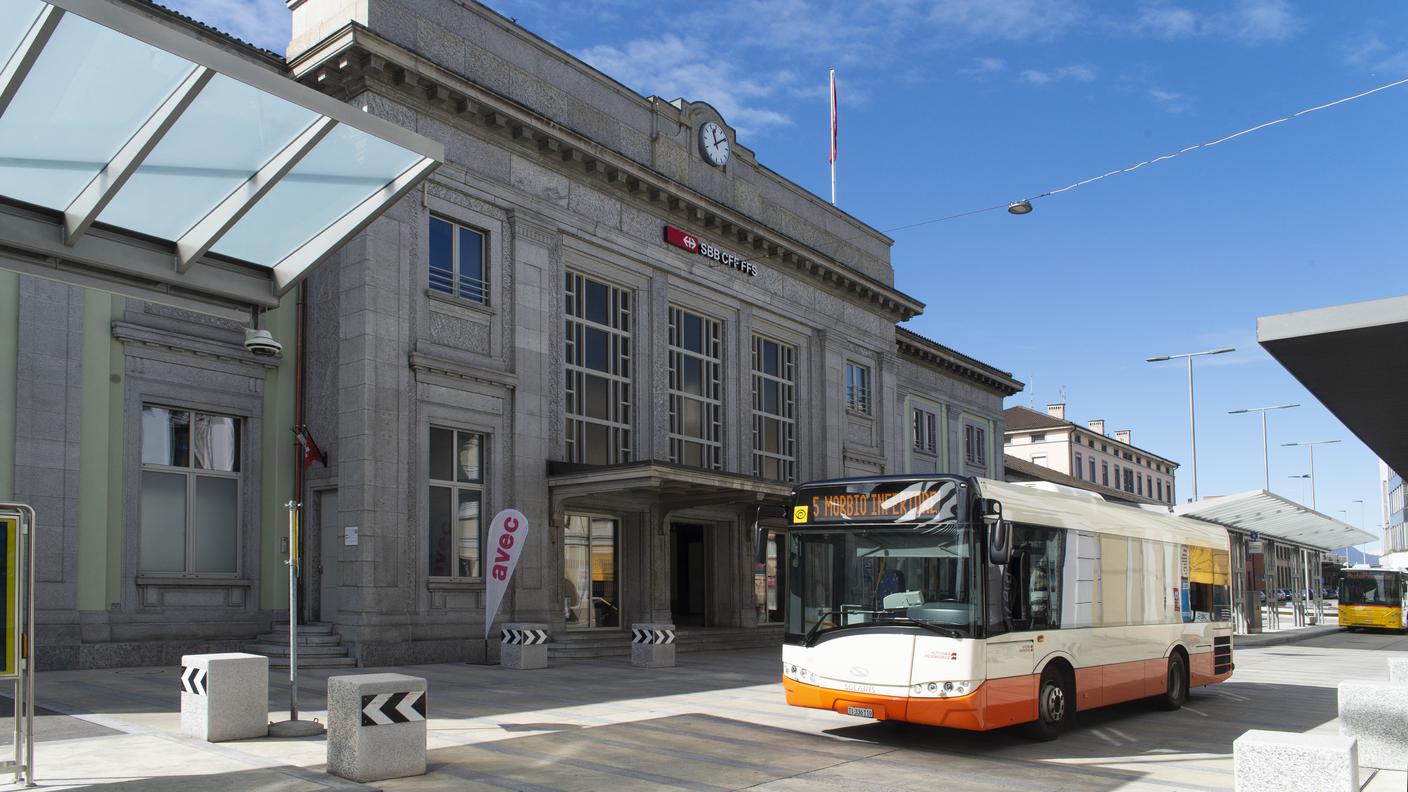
(1276, 517)
(71, 242)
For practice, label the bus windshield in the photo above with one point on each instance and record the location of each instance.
(1370, 588)
(882, 576)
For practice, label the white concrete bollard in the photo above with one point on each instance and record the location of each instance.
(524, 645)
(653, 645)
(376, 726)
(1376, 714)
(225, 696)
(1398, 670)
(1272, 761)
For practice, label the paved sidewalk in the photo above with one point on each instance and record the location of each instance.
(716, 722)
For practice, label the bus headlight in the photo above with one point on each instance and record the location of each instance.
(798, 673)
(949, 689)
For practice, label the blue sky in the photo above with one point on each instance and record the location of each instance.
(954, 105)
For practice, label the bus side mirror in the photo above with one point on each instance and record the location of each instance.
(1000, 542)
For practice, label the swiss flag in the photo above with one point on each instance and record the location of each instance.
(311, 452)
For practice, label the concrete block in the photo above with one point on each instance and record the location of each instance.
(1271, 761)
(1398, 670)
(653, 645)
(1376, 714)
(225, 696)
(524, 645)
(376, 726)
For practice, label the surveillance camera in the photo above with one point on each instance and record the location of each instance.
(261, 343)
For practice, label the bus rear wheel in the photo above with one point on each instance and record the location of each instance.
(1055, 703)
(1175, 693)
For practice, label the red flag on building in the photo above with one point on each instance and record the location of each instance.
(833, 117)
(311, 452)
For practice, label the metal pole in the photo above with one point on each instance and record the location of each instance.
(292, 610)
(1266, 465)
(29, 651)
(1192, 431)
(1312, 478)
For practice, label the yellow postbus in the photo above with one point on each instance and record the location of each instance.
(1373, 597)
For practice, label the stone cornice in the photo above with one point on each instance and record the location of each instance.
(129, 333)
(918, 348)
(429, 363)
(354, 60)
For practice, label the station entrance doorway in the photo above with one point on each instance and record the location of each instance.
(689, 574)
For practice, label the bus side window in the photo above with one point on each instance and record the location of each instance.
(1034, 578)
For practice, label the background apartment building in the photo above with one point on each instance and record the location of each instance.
(1086, 454)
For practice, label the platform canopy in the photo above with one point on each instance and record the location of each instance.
(1351, 357)
(1275, 517)
(140, 158)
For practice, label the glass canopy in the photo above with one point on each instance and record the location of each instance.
(109, 117)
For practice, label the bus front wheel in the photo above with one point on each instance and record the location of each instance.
(1055, 704)
(1175, 693)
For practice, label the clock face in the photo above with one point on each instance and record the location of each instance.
(713, 143)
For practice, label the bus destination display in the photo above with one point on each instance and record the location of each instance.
(922, 502)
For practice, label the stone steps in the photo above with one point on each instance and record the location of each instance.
(318, 647)
(614, 643)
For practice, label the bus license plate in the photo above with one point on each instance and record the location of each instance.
(861, 712)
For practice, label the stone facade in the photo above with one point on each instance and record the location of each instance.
(565, 172)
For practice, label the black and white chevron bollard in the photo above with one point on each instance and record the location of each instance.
(376, 726)
(653, 645)
(224, 696)
(523, 645)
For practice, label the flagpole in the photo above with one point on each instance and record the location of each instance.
(833, 137)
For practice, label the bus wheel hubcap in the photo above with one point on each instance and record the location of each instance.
(1055, 703)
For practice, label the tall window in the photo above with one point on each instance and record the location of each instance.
(456, 472)
(975, 444)
(1139, 483)
(598, 337)
(1159, 488)
(1092, 471)
(774, 410)
(457, 261)
(1104, 473)
(925, 430)
(190, 492)
(858, 387)
(696, 397)
(1128, 480)
(1078, 466)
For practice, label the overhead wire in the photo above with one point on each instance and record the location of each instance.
(1155, 160)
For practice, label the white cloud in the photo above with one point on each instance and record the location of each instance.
(1369, 52)
(1077, 72)
(1009, 20)
(266, 23)
(984, 67)
(1246, 21)
(1171, 101)
(669, 67)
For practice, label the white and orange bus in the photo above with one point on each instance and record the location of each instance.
(979, 604)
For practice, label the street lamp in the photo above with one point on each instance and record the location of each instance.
(1311, 445)
(1192, 427)
(1265, 465)
(1019, 207)
(1302, 477)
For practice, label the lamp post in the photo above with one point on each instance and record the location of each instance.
(1311, 445)
(1265, 464)
(1192, 426)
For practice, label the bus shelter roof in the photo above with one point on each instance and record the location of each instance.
(138, 157)
(1275, 517)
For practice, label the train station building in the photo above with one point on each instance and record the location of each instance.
(599, 309)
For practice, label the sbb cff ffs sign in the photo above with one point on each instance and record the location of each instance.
(692, 243)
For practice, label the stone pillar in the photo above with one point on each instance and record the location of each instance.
(653, 645)
(1376, 714)
(376, 726)
(1269, 761)
(225, 696)
(523, 645)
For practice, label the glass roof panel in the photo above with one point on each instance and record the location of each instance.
(88, 93)
(346, 168)
(19, 16)
(228, 133)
